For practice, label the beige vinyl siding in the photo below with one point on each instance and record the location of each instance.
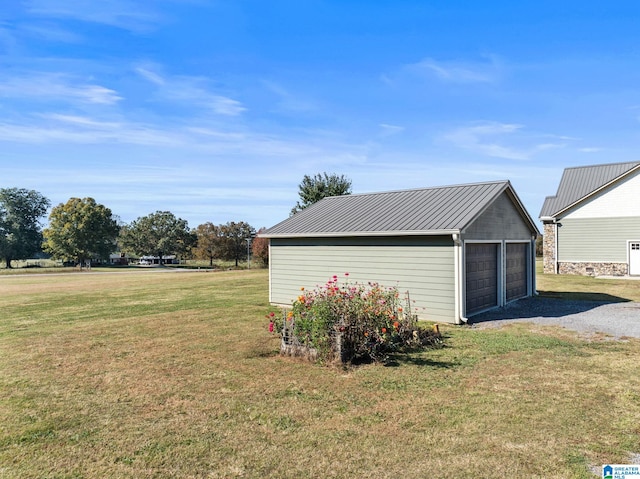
(500, 221)
(422, 265)
(596, 239)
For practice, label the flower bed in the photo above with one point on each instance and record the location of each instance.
(343, 321)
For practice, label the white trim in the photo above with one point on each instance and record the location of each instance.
(458, 283)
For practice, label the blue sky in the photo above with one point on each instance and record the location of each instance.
(215, 110)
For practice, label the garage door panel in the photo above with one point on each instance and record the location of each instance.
(481, 270)
(516, 271)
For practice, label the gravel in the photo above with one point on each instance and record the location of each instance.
(618, 320)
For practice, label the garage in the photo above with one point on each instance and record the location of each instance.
(481, 269)
(447, 246)
(516, 271)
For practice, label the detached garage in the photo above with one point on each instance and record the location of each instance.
(459, 250)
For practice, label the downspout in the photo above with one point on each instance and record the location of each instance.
(532, 259)
(458, 290)
(270, 282)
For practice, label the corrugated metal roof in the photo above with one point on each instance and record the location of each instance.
(579, 182)
(437, 210)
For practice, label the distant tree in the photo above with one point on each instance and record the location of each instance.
(80, 230)
(540, 246)
(313, 188)
(20, 230)
(234, 240)
(209, 242)
(260, 248)
(158, 234)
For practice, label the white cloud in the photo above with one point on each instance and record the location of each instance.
(151, 76)
(189, 90)
(389, 130)
(290, 101)
(51, 33)
(56, 86)
(129, 15)
(493, 138)
(453, 71)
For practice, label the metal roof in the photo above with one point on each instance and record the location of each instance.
(437, 210)
(581, 182)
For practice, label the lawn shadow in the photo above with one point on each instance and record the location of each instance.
(417, 358)
(583, 296)
(548, 305)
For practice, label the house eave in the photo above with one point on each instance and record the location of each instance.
(338, 234)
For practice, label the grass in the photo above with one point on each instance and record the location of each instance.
(175, 375)
(47, 266)
(586, 287)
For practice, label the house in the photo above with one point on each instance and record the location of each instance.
(458, 250)
(167, 259)
(592, 224)
(119, 259)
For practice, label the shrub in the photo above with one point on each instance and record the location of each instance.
(349, 321)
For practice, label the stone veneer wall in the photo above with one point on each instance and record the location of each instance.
(594, 269)
(549, 249)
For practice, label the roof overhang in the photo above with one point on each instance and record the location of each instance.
(353, 234)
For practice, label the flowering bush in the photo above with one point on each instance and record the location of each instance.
(353, 320)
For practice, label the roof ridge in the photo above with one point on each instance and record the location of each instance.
(426, 188)
(603, 164)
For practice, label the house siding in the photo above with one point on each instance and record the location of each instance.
(422, 265)
(596, 239)
(500, 221)
(622, 200)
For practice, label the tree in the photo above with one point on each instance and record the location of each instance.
(313, 189)
(260, 248)
(158, 234)
(209, 242)
(80, 230)
(20, 230)
(234, 242)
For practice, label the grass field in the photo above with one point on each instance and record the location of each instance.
(175, 375)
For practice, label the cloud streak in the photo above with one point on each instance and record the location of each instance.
(190, 91)
(56, 86)
(129, 15)
(492, 139)
(458, 71)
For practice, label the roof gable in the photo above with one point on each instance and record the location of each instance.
(437, 210)
(579, 183)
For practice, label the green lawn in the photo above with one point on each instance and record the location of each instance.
(175, 375)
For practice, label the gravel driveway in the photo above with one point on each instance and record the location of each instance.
(615, 319)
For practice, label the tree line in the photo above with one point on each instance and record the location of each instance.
(82, 230)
